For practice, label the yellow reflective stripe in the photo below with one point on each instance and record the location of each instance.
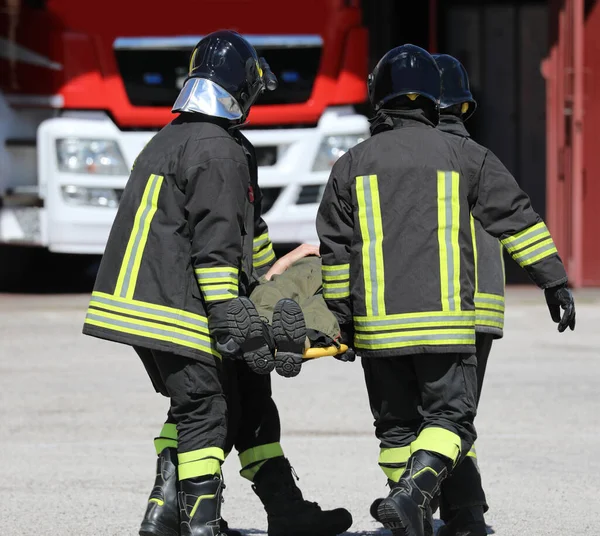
(432, 334)
(224, 279)
(265, 258)
(336, 294)
(250, 472)
(412, 321)
(152, 330)
(371, 227)
(448, 200)
(418, 325)
(527, 236)
(260, 453)
(209, 466)
(169, 430)
(157, 501)
(225, 274)
(200, 454)
(341, 268)
(344, 284)
(260, 241)
(472, 453)
(394, 455)
(475, 258)
(217, 270)
(440, 441)
(101, 304)
(201, 497)
(132, 259)
(371, 320)
(220, 286)
(536, 252)
(340, 277)
(393, 473)
(143, 306)
(160, 444)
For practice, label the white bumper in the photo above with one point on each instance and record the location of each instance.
(68, 228)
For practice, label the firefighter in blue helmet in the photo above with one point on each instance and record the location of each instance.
(187, 245)
(395, 229)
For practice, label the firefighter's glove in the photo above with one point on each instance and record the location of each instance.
(346, 337)
(558, 298)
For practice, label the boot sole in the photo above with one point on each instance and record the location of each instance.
(289, 330)
(394, 519)
(150, 529)
(246, 329)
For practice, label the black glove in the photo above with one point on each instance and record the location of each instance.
(219, 329)
(557, 298)
(347, 337)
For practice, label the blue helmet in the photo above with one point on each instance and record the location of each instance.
(455, 84)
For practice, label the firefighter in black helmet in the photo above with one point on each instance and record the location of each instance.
(187, 245)
(394, 225)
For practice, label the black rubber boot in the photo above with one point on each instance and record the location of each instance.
(287, 512)
(406, 510)
(465, 522)
(162, 514)
(200, 506)
(251, 334)
(427, 522)
(289, 330)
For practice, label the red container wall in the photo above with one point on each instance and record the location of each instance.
(591, 150)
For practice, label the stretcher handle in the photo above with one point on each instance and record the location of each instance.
(315, 353)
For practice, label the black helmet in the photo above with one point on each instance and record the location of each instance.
(404, 70)
(455, 84)
(225, 77)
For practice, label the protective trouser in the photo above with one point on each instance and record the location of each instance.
(422, 402)
(197, 420)
(253, 419)
(302, 282)
(463, 488)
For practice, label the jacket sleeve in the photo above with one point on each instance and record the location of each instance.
(505, 212)
(263, 256)
(335, 227)
(215, 201)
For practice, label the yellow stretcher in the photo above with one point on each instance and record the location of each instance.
(315, 353)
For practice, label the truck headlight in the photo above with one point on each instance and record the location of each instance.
(97, 157)
(332, 147)
(91, 197)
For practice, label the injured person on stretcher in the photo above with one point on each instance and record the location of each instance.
(291, 322)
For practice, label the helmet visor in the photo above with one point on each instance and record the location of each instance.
(199, 95)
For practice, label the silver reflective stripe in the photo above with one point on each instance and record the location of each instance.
(333, 273)
(203, 96)
(534, 252)
(150, 330)
(513, 244)
(216, 275)
(481, 318)
(413, 321)
(142, 227)
(448, 239)
(493, 301)
(415, 336)
(190, 41)
(207, 291)
(147, 310)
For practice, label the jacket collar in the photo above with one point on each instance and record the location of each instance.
(394, 119)
(453, 125)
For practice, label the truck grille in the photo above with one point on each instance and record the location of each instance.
(154, 69)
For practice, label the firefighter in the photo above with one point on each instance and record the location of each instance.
(398, 273)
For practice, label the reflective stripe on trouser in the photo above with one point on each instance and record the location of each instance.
(218, 283)
(200, 462)
(440, 441)
(336, 281)
(262, 251)
(448, 239)
(167, 438)
(371, 230)
(132, 259)
(531, 245)
(252, 459)
(393, 461)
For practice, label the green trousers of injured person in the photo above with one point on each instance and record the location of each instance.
(302, 282)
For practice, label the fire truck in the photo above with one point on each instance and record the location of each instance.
(85, 85)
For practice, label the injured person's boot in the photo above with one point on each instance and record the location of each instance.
(252, 334)
(289, 331)
(287, 511)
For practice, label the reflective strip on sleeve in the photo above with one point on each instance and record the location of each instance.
(262, 251)
(448, 231)
(535, 233)
(489, 301)
(132, 259)
(438, 440)
(535, 253)
(218, 283)
(336, 281)
(531, 245)
(371, 228)
(200, 462)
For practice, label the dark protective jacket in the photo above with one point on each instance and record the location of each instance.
(489, 260)
(183, 242)
(396, 240)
